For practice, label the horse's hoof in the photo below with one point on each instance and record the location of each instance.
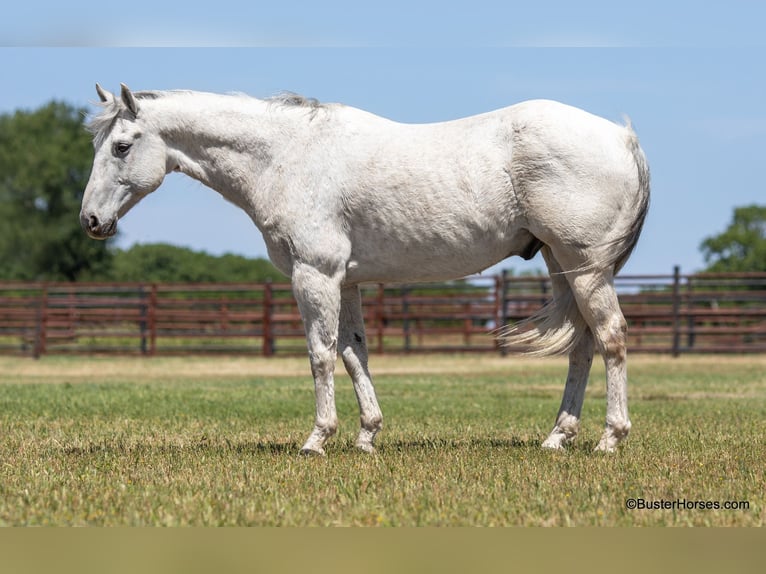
(366, 447)
(312, 451)
(549, 444)
(606, 445)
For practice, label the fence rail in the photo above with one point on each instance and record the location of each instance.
(672, 313)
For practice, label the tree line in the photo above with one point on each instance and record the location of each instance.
(45, 161)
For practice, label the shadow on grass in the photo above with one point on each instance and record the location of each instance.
(202, 447)
(436, 443)
(513, 443)
(425, 444)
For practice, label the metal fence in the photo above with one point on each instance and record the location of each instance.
(674, 313)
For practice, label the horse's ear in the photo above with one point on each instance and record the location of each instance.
(128, 99)
(103, 95)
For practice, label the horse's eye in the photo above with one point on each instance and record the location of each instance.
(121, 148)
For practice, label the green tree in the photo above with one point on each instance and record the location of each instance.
(161, 262)
(742, 246)
(45, 160)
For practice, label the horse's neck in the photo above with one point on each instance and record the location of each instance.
(225, 142)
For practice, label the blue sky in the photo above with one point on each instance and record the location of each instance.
(691, 78)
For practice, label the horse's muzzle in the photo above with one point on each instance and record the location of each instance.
(97, 228)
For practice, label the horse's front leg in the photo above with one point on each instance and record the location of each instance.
(318, 297)
(353, 349)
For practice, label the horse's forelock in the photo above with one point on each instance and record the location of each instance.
(101, 124)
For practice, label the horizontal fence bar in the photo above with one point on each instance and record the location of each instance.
(674, 313)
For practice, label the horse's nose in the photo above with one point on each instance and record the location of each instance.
(89, 223)
(97, 228)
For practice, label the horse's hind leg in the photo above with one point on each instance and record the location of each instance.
(597, 301)
(568, 419)
(580, 359)
(353, 349)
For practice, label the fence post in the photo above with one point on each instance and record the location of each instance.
(467, 323)
(691, 337)
(143, 322)
(223, 301)
(380, 318)
(268, 332)
(406, 317)
(152, 318)
(42, 321)
(676, 310)
(503, 306)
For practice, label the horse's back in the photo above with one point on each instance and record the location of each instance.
(431, 201)
(565, 133)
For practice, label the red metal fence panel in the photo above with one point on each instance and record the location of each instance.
(672, 313)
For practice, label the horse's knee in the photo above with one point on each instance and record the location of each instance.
(322, 359)
(354, 362)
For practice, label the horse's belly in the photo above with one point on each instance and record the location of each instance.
(402, 261)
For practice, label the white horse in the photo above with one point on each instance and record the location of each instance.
(345, 197)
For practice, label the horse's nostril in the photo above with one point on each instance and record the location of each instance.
(93, 222)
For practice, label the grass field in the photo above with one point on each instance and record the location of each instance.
(193, 441)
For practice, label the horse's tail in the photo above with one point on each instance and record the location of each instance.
(558, 326)
(553, 330)
(629, 239)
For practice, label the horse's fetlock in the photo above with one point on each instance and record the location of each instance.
(327, 427)
(569, 425)
(372, 423)
(618, 429)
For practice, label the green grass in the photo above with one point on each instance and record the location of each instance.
(119, 441)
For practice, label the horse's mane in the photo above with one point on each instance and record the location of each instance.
(101, 124)
(292, 99)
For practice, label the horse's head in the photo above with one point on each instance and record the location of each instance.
(130, 162)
